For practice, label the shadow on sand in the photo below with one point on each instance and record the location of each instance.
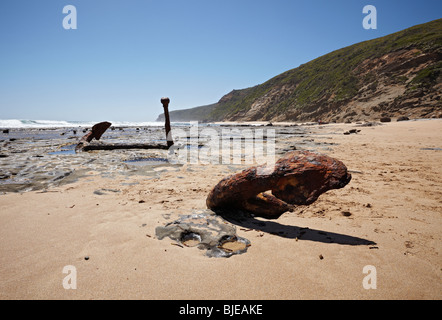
(246, 221)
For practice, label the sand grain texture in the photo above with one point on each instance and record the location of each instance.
(388, 216)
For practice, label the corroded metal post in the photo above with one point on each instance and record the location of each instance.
(165, 102)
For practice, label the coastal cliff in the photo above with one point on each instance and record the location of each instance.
(392, 76)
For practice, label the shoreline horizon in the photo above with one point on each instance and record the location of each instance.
(59, 124)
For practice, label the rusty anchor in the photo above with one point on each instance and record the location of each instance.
(95, 133)
(298, 178)
(98, 130)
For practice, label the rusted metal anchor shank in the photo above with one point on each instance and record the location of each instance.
(165, 102)
(96, 132)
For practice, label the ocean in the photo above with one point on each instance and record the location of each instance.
(26, 123)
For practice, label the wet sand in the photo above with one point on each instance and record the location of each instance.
(104, 223)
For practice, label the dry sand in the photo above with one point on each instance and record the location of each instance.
(394, 201)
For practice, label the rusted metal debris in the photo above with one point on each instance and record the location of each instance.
(123, 146)
(96, 132)
(298, 178)
(165, 102)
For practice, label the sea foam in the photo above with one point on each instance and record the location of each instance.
(21, 123)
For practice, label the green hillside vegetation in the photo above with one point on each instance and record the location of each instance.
(332, 77)
(198, 113)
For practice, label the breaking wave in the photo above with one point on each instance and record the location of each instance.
(20, 123)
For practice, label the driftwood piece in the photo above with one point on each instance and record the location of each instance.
(298, 178)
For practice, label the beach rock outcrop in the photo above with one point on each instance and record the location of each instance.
(298, 178)
(351, 131)
(207, 231)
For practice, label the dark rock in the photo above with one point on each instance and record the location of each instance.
(369, 124)
(403, 118)
(4, 176)
(6, 131)
(385, 119)
(352, 131)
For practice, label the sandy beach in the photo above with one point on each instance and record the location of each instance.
(388, 217)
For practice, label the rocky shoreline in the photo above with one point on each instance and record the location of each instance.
(36, 159)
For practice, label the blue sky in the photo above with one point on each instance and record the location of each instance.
(125, 55)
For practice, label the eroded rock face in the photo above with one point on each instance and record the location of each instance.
(298, 178)
(207, 231)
